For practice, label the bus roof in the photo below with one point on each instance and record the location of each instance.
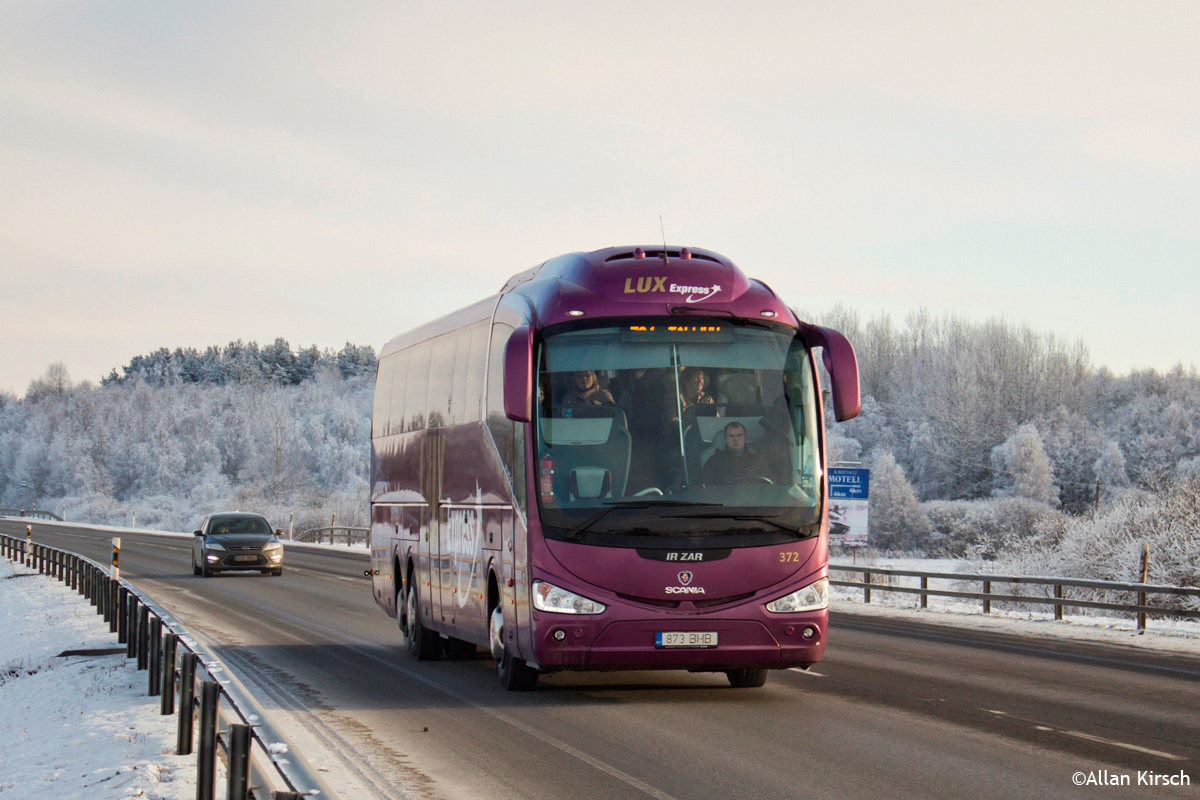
(622, 281)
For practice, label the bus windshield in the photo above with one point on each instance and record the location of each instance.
(673, 433)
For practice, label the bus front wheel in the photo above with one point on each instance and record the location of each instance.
(422, 643)
(746, 678)
(514, 674)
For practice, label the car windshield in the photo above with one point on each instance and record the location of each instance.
(220, 526)
(661, 430)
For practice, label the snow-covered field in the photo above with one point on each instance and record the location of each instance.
(78, 726)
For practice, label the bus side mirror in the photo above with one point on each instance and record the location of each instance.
(839, 359)
(518, 375)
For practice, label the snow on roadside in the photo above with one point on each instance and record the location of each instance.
(1168, 635)
(80, 726)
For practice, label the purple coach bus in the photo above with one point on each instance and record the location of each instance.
(615, 463)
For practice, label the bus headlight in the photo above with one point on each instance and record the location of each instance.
(548, 597)
(813, 597)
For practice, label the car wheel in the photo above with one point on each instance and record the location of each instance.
(515, 675)
(195, 569)
(423, 644)
(746, 678)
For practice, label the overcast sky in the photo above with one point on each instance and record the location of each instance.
(180, 174)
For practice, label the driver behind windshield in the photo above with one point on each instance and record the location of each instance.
(735, 461)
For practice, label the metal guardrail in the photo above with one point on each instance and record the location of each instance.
(35, 513)
(348, 535)
(1141, 608)
(258, 760)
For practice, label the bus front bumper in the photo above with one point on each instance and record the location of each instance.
(774, 641)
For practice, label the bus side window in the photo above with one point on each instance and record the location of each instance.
(416, 387)
(399, 377)
(441, 380)
(383, 391)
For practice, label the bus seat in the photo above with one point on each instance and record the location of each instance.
(735, 388)
(592, 438)
(587, 483)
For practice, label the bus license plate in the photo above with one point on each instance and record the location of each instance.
(685, 639)
(245, 558)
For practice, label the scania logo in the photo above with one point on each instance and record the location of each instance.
(685, 577)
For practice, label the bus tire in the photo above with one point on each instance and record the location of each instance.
(423, 644)
(746, 678)
(514, 674)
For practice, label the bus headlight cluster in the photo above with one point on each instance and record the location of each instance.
(813, 597)
(548, 597)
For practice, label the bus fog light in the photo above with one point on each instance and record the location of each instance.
(808, 633)
(548, 597)
(813, 597)
(559, 635)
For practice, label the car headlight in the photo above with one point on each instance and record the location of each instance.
(813, 597)
(548, 597)
(272, 547)
(214, 546)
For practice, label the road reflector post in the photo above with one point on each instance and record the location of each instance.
(168, 673)
(187, 704)
(153, 679)
(238, 787)
(116, 558)
(206, 773)
(28, 555)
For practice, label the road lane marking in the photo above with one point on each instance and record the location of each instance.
(1089, 737)
(807, 672)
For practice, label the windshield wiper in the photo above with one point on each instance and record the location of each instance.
(767, 518)
(613, 505)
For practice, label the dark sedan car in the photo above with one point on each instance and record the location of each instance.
(236, 541)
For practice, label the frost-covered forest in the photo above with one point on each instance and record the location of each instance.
(175, 435)
(986, 440)
(994, 441)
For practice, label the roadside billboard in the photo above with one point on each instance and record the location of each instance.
(849, 490)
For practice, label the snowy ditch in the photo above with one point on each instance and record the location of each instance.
(84, 720)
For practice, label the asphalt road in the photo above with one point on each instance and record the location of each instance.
(897, 709)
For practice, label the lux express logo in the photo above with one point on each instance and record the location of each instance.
(658, 283)
(685, 578)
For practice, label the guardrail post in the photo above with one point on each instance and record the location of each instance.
(1141, 615)
(143, 650)
(239, 762)
(155, 657)
(924, 591)
(122, 615)
(131, 627)
(168, 673)
(866, 585)
(987, 601)
(73, 568)
(112, 605)
(1058, 595)
(187, 703)
(207, 755)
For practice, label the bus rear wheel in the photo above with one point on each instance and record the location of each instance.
(746, 678)
(422, 643)
(515, 675)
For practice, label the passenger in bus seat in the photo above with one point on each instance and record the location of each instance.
(585, 390)
(692, 383)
